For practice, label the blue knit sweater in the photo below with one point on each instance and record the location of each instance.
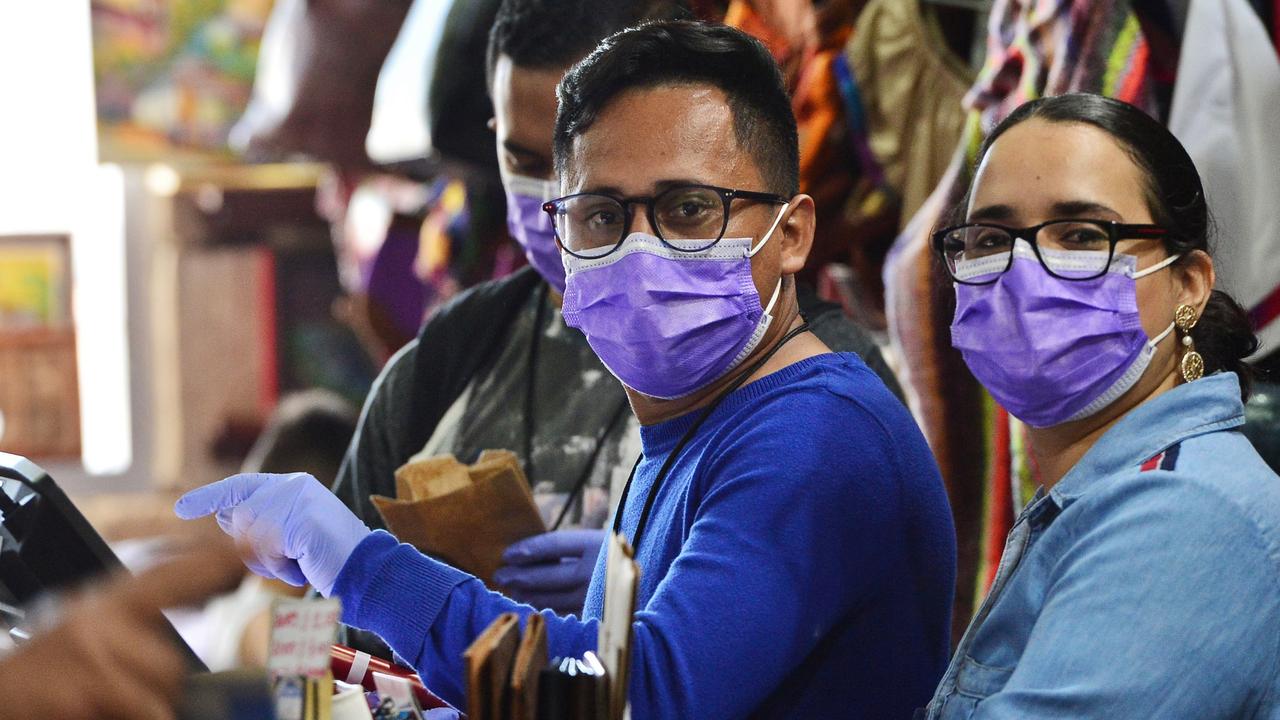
(799, 562)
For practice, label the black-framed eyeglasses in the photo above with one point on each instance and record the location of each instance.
(1069, 249)
(687, 218)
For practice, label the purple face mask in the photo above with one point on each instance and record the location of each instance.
(668, 323)
(1052, 350)
(531, 227)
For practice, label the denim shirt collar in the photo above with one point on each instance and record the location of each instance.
(1205, 405)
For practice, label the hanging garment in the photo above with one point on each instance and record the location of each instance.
(1034, 48)
(911, 88)
(854, 225)
(1224, 112)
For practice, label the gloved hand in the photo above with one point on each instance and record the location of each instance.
(291, 526)
(551, 570)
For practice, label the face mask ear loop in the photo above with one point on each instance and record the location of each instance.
(777, 289)
(752, 252)
(1157, 267)
(1155, 341)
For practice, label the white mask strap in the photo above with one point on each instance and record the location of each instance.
(1158, 266)
(752, 252)
(1156, 340)
(768, 309)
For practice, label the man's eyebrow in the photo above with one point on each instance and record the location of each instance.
(516, 148)
(675, 182)
(656, 188)
(602, 190)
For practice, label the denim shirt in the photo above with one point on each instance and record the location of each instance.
(1146, 584)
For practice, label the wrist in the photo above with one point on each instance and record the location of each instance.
(384, 578)
(357, 572)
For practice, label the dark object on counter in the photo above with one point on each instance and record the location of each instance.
(1262, 422)
(46, 545)
(574, 689)
(233, 695)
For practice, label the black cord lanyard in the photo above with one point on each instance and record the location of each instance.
(529, 421)
(684, 440)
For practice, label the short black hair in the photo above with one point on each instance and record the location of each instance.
(683, 52)
(558, 33)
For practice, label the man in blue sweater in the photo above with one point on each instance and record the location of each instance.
(794, 537)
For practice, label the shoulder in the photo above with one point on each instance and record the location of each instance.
(397, 374)
(480, 302)
(451, 343)
(832, 424)
(460, 334)
(843, 335)
(1208, 500)
(838, 393)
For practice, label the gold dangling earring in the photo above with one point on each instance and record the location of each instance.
(1192, 365)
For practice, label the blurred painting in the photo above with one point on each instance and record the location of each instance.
(35, 277)
(172, 74)
(39, 394)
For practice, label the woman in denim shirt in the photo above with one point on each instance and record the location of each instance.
(1144, 579)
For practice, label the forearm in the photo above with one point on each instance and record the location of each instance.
(429, 612)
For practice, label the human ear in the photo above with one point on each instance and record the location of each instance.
(1195, 277)
(795, 234)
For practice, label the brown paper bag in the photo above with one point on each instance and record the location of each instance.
(430, 478)
(470, 526)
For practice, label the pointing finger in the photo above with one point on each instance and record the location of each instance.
(220, 495)
(223, 494)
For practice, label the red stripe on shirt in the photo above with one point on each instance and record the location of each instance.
(1153, 463)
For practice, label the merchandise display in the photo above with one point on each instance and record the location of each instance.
(613, 359)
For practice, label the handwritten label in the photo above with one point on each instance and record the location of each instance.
(302, 632)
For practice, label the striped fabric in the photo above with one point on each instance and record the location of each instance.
(1167, 460)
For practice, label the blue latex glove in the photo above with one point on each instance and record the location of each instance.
(291, 526)
(551, 570)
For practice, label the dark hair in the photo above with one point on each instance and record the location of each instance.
(1223, 335)
(684, 52)
(558, 33)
